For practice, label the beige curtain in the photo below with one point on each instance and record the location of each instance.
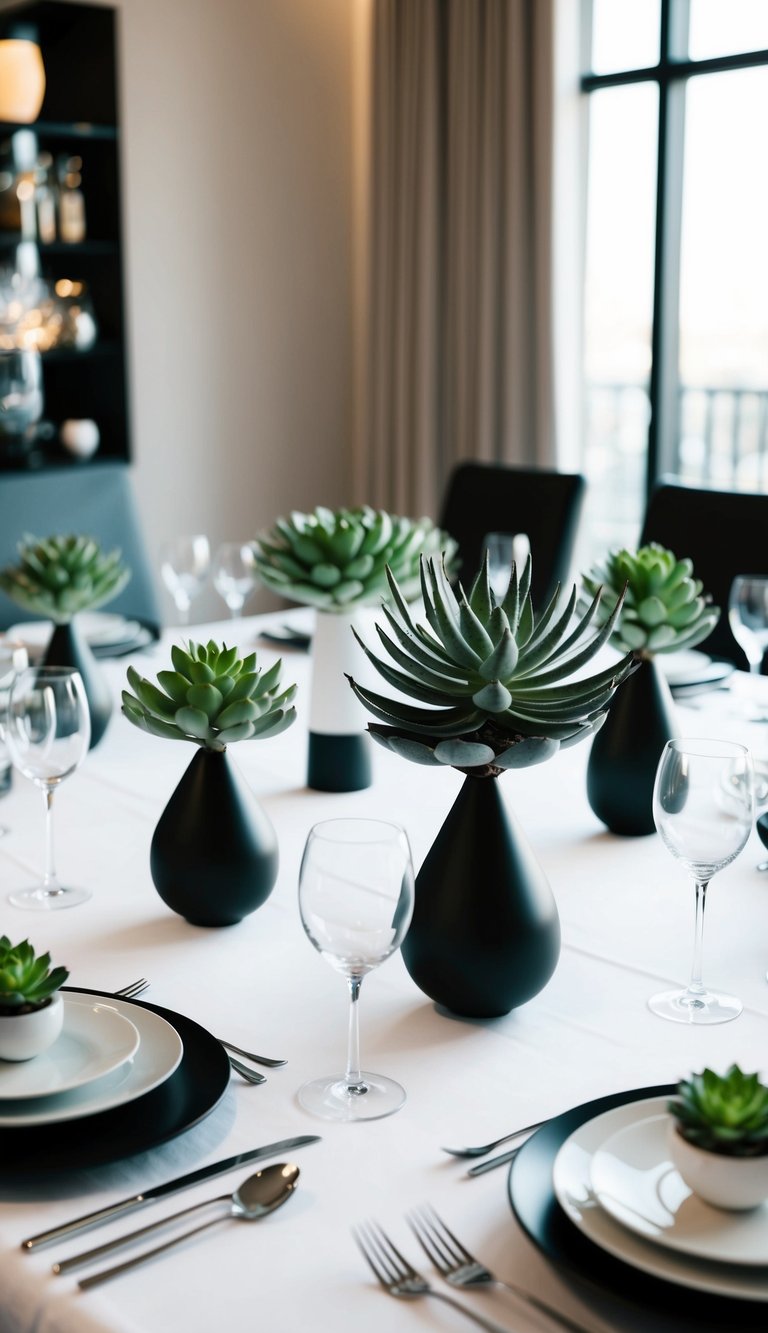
(459, 328)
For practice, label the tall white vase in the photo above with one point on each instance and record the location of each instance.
(339, 749)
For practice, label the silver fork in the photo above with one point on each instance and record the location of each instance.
(455, 1263)
(132, 990)
(138, 987)
(399, 1278)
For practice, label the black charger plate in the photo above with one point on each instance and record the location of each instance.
(533, 1200)
(193, 1090)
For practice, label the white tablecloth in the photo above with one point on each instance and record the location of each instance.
(627, 919)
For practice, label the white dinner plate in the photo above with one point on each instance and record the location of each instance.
(159, 1053)
(635, 1181)
(94, 1040)
(690, 669)
(102, 629)
(573, 1188)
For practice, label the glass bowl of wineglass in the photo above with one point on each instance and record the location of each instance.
(703, 807)
(47, 731)
(356, 902)
(184, 565)
(234, 574)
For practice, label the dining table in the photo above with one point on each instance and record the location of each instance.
(626, 912)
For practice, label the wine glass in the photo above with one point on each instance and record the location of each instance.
(504, 548)
(13, 659)
(356, 901)
(234, 574)
(703, 807)
(748, 617)
(184, 565)
(48, 732)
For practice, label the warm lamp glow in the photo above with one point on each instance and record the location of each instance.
(22, 81)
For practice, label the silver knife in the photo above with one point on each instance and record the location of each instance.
(160, 1191)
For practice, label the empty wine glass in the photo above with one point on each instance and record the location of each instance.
(13, 659)
(748, 617)
(504, 548)
(234, 574)
(356, 901)
(703, 807)
(184, 565)
(48, 731)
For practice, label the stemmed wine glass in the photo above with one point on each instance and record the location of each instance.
(748, 617)
(703, 807)
(234, 574)
(13, 659)
(184, 565)
(356, 901)
(48, 731)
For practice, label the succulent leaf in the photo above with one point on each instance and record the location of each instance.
(487, 710)
(212, 697)
(727, 1114)
(26, 979)
(61, 575)
(664, 609)
(339, 559)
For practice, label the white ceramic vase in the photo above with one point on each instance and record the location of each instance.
(23, 1036)
(735, 1183)
(339, 749)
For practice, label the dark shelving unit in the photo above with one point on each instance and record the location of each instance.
(78, 117)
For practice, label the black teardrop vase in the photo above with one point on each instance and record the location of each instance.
(485, 933)
(626, 750)
(68, 647)
(214, 852)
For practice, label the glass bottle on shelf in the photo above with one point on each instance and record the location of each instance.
(45, 200)
(71, 200)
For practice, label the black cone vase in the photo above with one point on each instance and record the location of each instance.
(626, 751)
(485, 934)
(214, 852)
(68, 647)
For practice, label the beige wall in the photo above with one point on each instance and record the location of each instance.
(237, 168)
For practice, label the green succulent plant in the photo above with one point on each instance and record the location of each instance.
(26, 981)
(61, 575)
(493, 675)
(211, 697)
(727, 1114)
(337, 559)
(664, 609)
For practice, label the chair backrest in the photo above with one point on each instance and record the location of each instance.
(724, 533)
(545, 505)
(96, 500)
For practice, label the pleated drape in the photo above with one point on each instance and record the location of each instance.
(459, 330)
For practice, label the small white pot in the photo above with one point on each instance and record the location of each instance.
(23, 1036)
(736, 1183)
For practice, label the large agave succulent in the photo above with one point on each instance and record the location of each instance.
(337, 559)
(727, 1114)
(664, 609)
(494, 676)
(61, 575)
(26, 981)
(211, 697)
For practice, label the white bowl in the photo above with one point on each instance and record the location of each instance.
(22, 1036)
(736, 1183)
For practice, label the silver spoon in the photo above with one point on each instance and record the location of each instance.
(260, 1194)
(249, 1055)
(250, 1075)
(489, 1147)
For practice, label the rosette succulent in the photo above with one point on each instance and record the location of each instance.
(61, 575)
(664, 608)
(211, 697)
(497, 679)
(727, 1115)
(337, 559)
(26, 980)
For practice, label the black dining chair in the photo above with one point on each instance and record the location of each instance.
(545, 505)
(724, 533)
(96, 500)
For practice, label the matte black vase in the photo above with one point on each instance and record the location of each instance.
(485, 934)
(68, 647)
(214, 852)
(626, 751)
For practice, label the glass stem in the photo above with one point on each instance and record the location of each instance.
(353, 1077)
(50, 880)
(696, 985)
